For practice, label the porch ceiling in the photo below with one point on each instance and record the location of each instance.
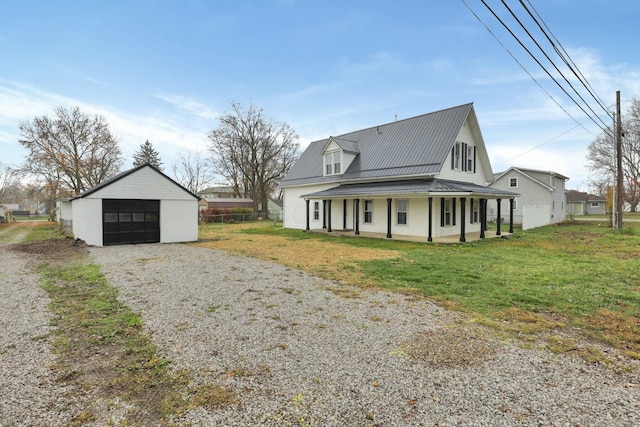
(413, 187)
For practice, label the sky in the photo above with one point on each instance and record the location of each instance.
(165, 71)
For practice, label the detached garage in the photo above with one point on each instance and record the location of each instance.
(142, 205)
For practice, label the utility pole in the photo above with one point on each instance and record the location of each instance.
(619, 160)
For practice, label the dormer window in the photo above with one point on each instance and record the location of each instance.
(332, 163)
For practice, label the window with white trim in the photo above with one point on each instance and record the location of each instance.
(447, 212)
(457, 156)
(469, 158)
(595, 204)
(368, 211)
(475, 211)
(513, 182)
(332, 163)
(316, 211)
(402, 206)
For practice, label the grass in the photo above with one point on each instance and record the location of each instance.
(29, 231)
(580, 278)
(102, 349)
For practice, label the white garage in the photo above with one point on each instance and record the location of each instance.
(142, 205)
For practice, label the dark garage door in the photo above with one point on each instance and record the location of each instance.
(130, 221)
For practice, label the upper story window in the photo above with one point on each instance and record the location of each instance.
(332, 163)
(513, 182)
(463, 157)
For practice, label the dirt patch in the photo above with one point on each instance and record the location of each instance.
(452, 347)
(60, 250)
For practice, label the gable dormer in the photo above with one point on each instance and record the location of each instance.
(337, 155)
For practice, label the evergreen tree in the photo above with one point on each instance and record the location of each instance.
(147, 154)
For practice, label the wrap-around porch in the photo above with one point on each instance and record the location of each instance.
(440, 210)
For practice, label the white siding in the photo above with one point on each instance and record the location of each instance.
(178, 221)
(87, 220)
(143, 184)
(294, 206)
(480, 176)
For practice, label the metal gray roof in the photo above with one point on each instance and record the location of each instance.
(431, 186)
(414, 146)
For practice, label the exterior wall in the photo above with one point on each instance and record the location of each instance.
(417, 217)
(294, 206)
(558, 199)
(532, 194)
(534, 216)
(143, 184)
(64, 214)
(595, 210)
(87, 220)
(575, 208)
(178, 221)
(480, 176)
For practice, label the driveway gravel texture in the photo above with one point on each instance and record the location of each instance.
(303, 351)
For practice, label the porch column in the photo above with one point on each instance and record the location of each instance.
(388, 218)
(430, 235)
(463, 202)
(499, 218)
(357, 215)
(483, 217)
(324, 214)
(511, 215)
(344, 214)
(307, 203)
(329, 217)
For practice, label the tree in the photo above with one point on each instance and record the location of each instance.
(8, 179)
(602, 155)
(71, 152)
(192, 171)
(252, 152)
(147, 154)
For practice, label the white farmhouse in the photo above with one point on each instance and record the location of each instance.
(420, 178)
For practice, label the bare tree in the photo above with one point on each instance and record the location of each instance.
(602, 156)
(72, 151)
(193, 171)
(8, 179)
(252, 152)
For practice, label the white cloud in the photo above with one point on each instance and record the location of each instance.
(189, 105)
(170, 132)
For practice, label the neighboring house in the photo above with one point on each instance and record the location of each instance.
(579, 203)
(219, 192)
(142, 205)
(274, 207)
(542, 196)
(222, 203)
(423, 177)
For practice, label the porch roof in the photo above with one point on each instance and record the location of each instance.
(425, 186)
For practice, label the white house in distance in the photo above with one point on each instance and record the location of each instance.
(142, 205)
(418, 178)
(541, 199)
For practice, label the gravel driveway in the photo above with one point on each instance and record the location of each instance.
(299, 350)
(303, 351)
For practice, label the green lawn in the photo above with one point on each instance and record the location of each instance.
(579, 276)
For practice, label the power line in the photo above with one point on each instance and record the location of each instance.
(550, 60)
(538, 62)
(523, 67)
(564, 55)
